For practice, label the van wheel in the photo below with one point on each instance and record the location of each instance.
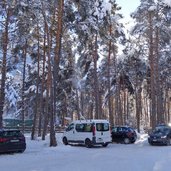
(126, 141)
(105, 144)
(65, 141)
(88, 143)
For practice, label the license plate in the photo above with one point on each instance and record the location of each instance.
(100, 140)
(14, 141)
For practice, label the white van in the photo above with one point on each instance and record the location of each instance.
(88, 132)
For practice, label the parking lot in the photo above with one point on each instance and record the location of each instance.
(116, 157)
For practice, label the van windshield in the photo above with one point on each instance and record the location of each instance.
(102, 126)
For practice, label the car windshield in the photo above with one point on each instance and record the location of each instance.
(161, 129)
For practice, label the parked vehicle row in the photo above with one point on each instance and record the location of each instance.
(97, 132)
(89, 133)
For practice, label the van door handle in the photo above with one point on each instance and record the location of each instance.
(101, 133)
(73, 132)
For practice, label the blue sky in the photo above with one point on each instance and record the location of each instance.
(128, 6)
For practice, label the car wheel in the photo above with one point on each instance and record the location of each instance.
(168, 141)
(88, 143)
(150, 143)
(133, 141)
(20, 151)
(126, 141)
(65, 141)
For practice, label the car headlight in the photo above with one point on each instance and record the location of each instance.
(163, 136)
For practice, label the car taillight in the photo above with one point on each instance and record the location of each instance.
(22, 138)
(94, 130)
(3, 140)
(129, 134)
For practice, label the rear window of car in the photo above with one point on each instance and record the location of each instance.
(122, 129)
(131, 129)
(102, 126)
(114, 129)
(12, 134)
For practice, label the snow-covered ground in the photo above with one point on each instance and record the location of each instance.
(116, 157)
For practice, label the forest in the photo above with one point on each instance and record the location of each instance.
(76, 59)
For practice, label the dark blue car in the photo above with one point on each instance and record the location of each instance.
(123, 134)
(12, 141)
(160, 135)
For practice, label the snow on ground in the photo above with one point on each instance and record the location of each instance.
(116, 157)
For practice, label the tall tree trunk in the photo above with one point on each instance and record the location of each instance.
(36, 114)
(152, 72)
(124, 106)
(23, 86)
(50, 86)
(118, 104)
(60, 11)
(4, 67)
(44, 103)
(50, 94)
(78, 104)
(96, 82)
(82, 103)
(115, 104)
(160, 114)
(138, 107)
(127, 105)
(109, 82)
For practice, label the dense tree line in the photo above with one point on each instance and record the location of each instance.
(61, 59)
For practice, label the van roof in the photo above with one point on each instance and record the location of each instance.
(91, 121)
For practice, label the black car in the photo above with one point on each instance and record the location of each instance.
(123, 134)
(12, 141)
(160, 135)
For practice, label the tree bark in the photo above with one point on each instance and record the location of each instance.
(43, 113)
(36, 114)
(4, 66)
(160, 114)
(60, 11)
(23, 86)
(109, 82)
(96, 82)
(152, 73)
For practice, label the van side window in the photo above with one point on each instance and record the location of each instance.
(102, 126)
(79, 127)
(88, 128)
(84, 127)
(70, 127)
